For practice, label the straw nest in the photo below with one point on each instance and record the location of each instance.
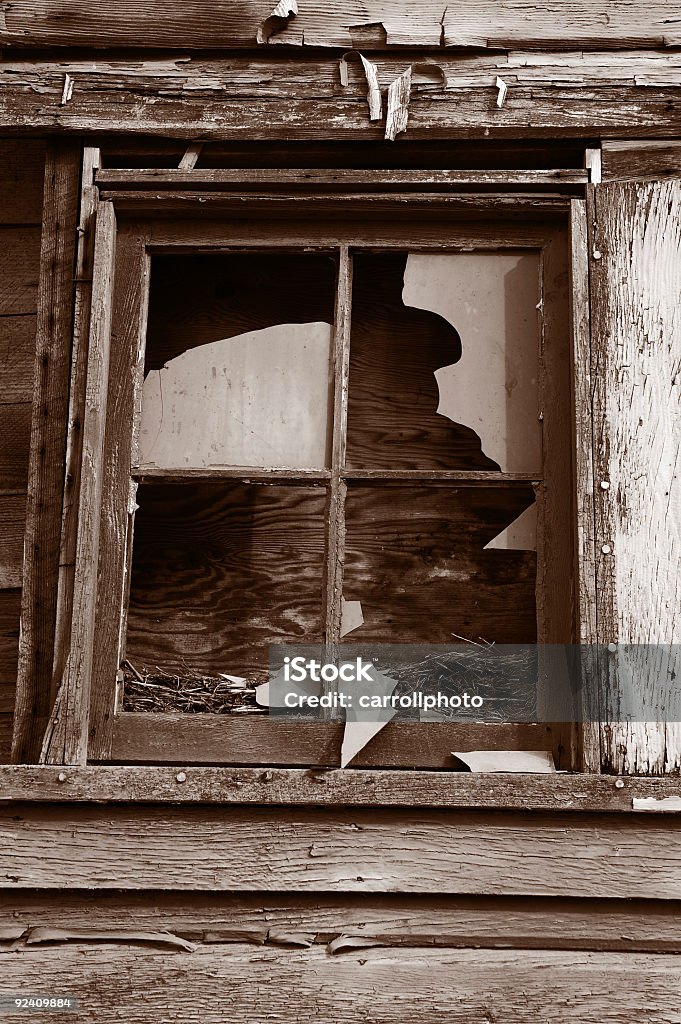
(161, 691)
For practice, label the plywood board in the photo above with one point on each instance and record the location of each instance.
(259, 399)
(491, 299)
(221, 570)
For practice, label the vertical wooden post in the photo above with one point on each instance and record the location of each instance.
(48, 447)
(81, 327)
(585, 569)
(635, 277)
(338, 487)
(66, 743)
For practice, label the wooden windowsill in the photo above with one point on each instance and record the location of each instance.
(295, 786)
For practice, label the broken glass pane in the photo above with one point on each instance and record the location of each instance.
(238, 362)
(444, 369)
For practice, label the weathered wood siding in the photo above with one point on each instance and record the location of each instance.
(636, 364)
(262, 96)
(21, 188)
(216, 984)
(568, 24)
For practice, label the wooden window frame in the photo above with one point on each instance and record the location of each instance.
(78, 712)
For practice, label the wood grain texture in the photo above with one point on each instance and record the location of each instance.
(242, 739)
(632, 159)
(22, 165)
(17, 357)
(65, 742)
(5, 736)
(386, 986)
(334, 564)
(128, 326)
(48, 444)
(10, 603)
(395, 350)
(76, 412)
(12, 518)
(379, 23)
(15, 430)
(353, 787)
(636, 332)
(550, 95)
(320, 850)
(389, 919)
(415, 554)
(19, 268)
(267, 178)
(222, 570)
(583, 499)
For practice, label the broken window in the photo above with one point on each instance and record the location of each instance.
(425, 482)
(315, 433)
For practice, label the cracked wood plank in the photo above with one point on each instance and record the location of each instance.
(636, 343)
(358, 787)
(565, 24)
(380, 985)
(339, 850)
(387, 919)
(554, 94)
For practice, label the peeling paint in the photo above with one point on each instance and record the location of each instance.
(277, 21)
(399, 94)
(371, 75)
(655, 804)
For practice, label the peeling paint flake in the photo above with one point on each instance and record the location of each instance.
(521, 762)
(277, 21)
(300, 940)
(656, 804)
(358, 733)
(67, 91)
(428, 74)
(348, 943)
(371, 74)
(39, 935)
(351, 616)
(399, 94)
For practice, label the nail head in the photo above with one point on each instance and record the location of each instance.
(612, 648)
(619, 784)
(605, 485)
(606, 549)
(180, 777)
(61, 777)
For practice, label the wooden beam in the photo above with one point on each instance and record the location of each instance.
(349, 787)
(634, 159)
(65, 741)
(320, 178)
(141, 738)
(342, 205)
(574, 25)
(315, 849)
(76, 412)
(551, 95)
(48, 446)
